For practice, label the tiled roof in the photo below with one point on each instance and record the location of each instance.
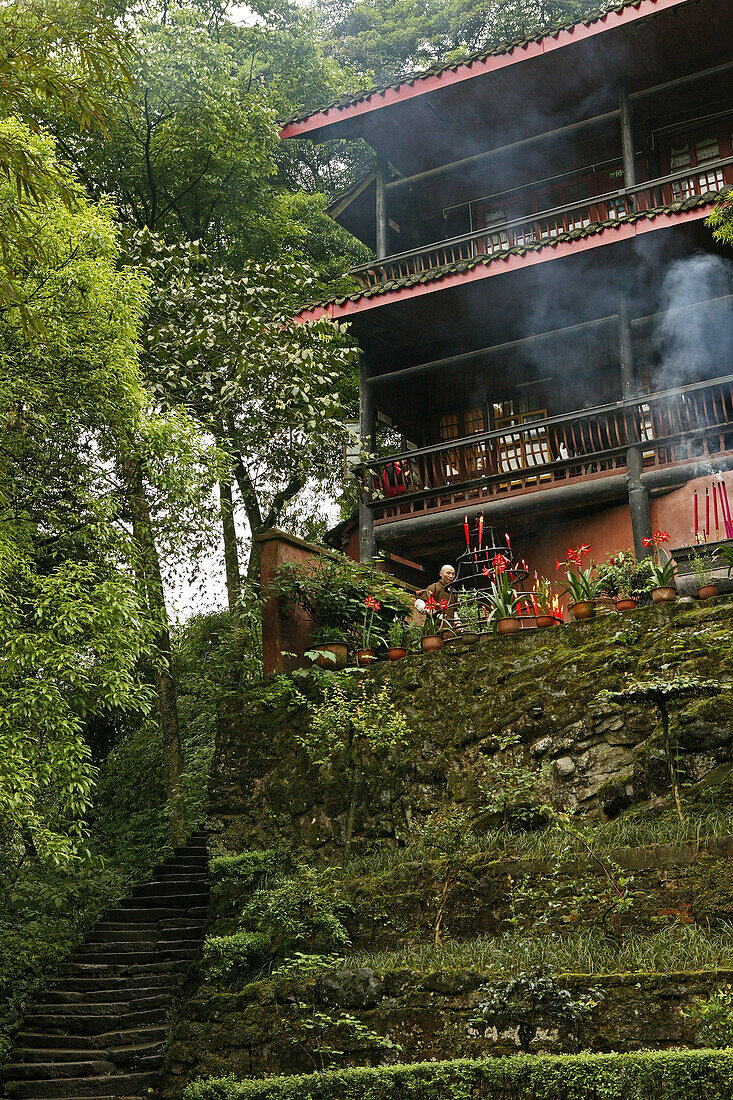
(507, 47)
(437, 273)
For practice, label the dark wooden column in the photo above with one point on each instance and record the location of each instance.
(367, 434)
(627, 141)
(382, 217)
(641, 523)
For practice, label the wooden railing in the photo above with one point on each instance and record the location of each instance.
(655, 195)
(671, 427)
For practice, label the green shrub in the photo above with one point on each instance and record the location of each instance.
(299, 911)
(664, 1075)
(233, 958)
(248, 868)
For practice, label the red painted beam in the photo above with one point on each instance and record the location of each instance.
(376, 100)
(553, 250)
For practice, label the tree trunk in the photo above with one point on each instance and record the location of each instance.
(231, 554)
(669, 749)
(142, 529)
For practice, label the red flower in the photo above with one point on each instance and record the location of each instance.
(430, 604)
(658, 537)
(372, 604)
(500, 563)
(487, 572)
(443, 605)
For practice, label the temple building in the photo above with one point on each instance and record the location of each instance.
(547, 325)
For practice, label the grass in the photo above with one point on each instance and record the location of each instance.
(630, 831)
(587, 951)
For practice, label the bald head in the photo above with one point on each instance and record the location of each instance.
(447, 574)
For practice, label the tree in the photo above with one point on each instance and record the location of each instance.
(194, 154)
(73, 628)
(721, 219)
(226, 349)
(662, 694)
(62, 56)
(388, 39)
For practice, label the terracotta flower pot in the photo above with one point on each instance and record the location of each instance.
(584, 609)
(664, 595)
(431, 643)
(543, 621)
(707, 591)
(508, 626)
(396, 652)
(365, 657)
(340, 651)
(625, 603)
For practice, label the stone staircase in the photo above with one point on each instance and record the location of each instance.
(99, 1030)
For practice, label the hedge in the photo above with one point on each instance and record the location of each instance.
(647, 1075)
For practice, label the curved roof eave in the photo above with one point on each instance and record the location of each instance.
(365, 102)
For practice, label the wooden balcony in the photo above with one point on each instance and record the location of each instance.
(658, 194)
(673, 428)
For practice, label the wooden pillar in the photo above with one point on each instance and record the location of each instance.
(641, 523)
(382, 217)
(367, 433)
(627, 142)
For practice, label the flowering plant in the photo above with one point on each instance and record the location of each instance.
(702, 563)
(371, 606)
(580, 585)
(502, 599)
(662, 573)
(434, 614)
(543, 600)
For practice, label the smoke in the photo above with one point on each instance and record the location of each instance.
(694, 336)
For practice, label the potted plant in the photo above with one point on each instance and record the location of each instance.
(661, 573)
(468, 613)
(366, 653)
(396, 640)
(329, 648)
(504, 603)
(581, 585)
(544, 603)
(434, 611)
(703, 563)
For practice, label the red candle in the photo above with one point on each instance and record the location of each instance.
(723, 490)
(506, 536)
(715, 511)
(480, 530)
(697, 526)
(465, 528)
(707, 514)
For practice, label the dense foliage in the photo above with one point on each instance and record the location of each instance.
(667, 1075)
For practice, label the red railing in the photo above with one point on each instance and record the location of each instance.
(656, 195)
(672, 427)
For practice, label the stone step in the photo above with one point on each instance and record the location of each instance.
(123, 1084)
(72, 988)
(95, 1024)
(141, 1059)
(162, 899)
(120, 1055)
(136, 912)
(108, 1040)
(124, 992)
(113, 956)
(157, 999)
(165, 882)
(100, 969)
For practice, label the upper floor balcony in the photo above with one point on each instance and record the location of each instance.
(677, 427)
(702, 180)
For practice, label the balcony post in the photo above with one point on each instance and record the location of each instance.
(627, 142)
(641, 523)
(382, 217)
(367, 436)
